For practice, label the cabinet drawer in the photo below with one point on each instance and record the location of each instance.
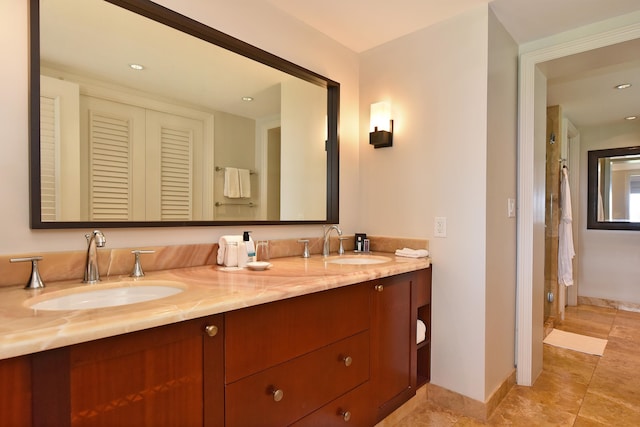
(306, 383)
(352, 409)
(259, 337)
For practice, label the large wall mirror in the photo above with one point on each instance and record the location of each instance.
(143, 117)
(614, 189)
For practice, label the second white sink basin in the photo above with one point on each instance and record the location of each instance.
(358, 259)
(110, 295)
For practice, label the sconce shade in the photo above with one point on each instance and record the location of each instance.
(381, 127)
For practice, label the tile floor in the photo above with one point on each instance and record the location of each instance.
(574, 389)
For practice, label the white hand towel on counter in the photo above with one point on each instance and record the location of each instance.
(223, 259)
(231, 183)
(245, 183)
(421, 332)
(412, 253)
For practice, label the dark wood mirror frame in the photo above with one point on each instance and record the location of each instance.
(592, 190)
(179, 22)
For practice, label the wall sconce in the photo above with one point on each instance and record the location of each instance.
(381, 133)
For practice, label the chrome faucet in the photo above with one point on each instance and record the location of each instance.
(94, 240)
(327, 232)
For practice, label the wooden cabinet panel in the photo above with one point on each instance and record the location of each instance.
(351, 409)
(15, 398)
(307, 383)
(393, 342)
(155, 377)
(423, 286)
(280, 331)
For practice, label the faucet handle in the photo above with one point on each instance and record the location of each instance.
(35, 281)
(305, 251)
(137, 266)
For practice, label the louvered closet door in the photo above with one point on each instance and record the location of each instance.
(174, 167)
(59, 150)
(115, 135)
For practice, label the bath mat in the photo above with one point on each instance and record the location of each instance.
(576, 342)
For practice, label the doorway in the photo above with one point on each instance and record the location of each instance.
(529, 323)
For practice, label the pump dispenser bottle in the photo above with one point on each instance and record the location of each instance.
(246, 250)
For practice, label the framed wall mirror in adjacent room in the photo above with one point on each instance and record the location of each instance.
(614, 189)
(141, 116)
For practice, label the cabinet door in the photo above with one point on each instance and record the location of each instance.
(157, 377)
(15, 394)
(393, 346)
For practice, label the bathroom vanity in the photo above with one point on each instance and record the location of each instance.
(332, 344)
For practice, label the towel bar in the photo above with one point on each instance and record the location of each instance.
(250, 204)
(222, 168)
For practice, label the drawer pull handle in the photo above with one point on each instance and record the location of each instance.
(379, 288)
(346, 415)
(211, 330)
(277, 394)
(347, 360)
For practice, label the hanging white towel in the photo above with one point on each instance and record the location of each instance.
(565, 234)
(231, 183)
(245, 183)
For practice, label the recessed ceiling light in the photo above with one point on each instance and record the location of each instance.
(631, 117)
(623, 86)
(247, 98)
(136, 67)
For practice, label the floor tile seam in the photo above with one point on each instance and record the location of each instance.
(593, 373)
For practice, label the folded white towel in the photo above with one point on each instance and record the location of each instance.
(245, 183)
(412, 253)
(222, 249)
(421, 332)
(231, 183)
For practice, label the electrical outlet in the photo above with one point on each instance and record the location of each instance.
(440, 227)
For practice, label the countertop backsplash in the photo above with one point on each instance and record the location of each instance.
(58, 266)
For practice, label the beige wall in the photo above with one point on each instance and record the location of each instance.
(258, 24)
(437, 82)
(609, 260)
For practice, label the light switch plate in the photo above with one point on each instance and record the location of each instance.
(511, 208)
(440, 226)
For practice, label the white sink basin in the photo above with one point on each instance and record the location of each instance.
(108, 295)
(358, 259)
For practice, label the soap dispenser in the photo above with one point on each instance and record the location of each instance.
(246, 250)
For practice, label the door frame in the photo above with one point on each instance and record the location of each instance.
(528, 343)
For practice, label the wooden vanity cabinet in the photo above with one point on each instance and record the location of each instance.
(165, 376)
(345, 355)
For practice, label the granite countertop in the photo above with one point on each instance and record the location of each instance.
(208, 290)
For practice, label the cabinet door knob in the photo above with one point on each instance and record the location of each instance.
(211, 330)
(379, 288)
(346, 415)
(277, 394)
(347, 360)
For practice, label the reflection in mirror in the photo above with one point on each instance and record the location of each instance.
(614, 189)
(142, 124)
